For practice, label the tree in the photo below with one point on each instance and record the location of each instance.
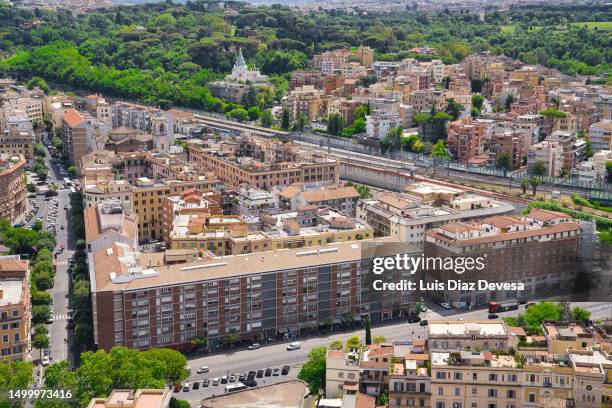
(266, 118)
(41, 298)
(37, 226)
(509, 100)
(524, 185)
(352, 342)
(232, 338)
(15, 375)
(300, 123)
(536, 314)
(609, 171)
(40, 342)
(477, 101)
(313, 370)
(503, 161)
(335, 124)
(439, 150)
(474, 113)
(254, 113)
(581, 314)
(57, 143)
(368, 333)
(172, 361)
(38, 82)
(239, 114)
(379, 339)
(394, 138)
(72, 170)
(535, 182)
(539, 168)
(177, 403)
(42, 281)
(40, 313)
(285, 119)
(335, 345)
(453, 108)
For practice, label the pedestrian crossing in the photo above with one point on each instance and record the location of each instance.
(60, 317)
(433, 315)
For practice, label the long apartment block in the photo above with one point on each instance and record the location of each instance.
(140, 300)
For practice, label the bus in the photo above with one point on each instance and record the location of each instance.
(235, 387)
(67, 181)
(496, 307)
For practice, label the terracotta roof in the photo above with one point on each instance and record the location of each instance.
(365, 401)
(330, 194)
(336, 354)
(563, 227)
(393, 200)
(13, 265)
(503, 221)
(458, 227)
(290, 191)
(180, 114)
(546, 215)
(416, 357)
(72, 117)
(517, 331)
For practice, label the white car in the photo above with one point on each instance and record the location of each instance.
(294, 346)
(45, 360)
(446, 306)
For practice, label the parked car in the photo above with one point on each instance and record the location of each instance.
(414, 319)
(276, 372)
(202, 370)
(446, 306)
(232, 378)
(45, 360)
(423, 323)
(294, 346)
(242, 377)
(215, 381)
(177, 387)
(224, 379)
(205, 382)
(254, 346)
(493, 316)
(186, 387)
(250, 383)
(196, 385)
(285, 370)
(268, 372)
(260, 373)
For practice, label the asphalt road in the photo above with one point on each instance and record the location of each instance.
(59, 335)
(276, 355)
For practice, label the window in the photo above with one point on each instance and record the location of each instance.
(492, 406)
(511, 394)
(440, 375)
(474, 391)
(492, 393)
(475, 376)
(458, 376)
(340, 375)
(492, 377)
(457, 392)
(456, 405)
(439, 405)
(512, 377)
(532, 398)
(589, 387)
(440, 391)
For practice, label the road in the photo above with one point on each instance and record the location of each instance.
(276, 355)
(58, 333)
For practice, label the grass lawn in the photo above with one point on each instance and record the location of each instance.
(601, 25)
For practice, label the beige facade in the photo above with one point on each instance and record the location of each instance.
(14, 310)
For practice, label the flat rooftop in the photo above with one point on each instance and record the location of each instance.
(12, 291)
(288, 394)
(466, 328)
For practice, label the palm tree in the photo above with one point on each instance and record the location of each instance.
(524, 185)
(535, 182)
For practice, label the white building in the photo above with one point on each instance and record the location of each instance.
(600, 135)
(242, 73)
(551, 153)
(379, 123)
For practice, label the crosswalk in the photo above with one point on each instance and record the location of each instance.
(60, 317)
(433, 315)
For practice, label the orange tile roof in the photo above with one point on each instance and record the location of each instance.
(13, 265)
(365, 401)
(546, 215)
(503, 221)
(73, 118)
(330, 194)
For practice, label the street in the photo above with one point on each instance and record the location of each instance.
(276, 355)
(59, 338)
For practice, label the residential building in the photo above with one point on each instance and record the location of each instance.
(409, 380)
(592, 369)
(604, 104)
(474, 379)
(262, 163)
(564, 336)
(266, 294)
(341, 369)
(600, 135)
(549, 153)
(15, 309)
(406, 216)
(297, 195)
(77, 134)
(461, 335)
(253, 202)
(230, 234)
(466, 139)
(365, 55)
(141, 398)
(13, 199)
(374, 367)
(511, 248)
(106, 223)
(15, 142)
(230, 91)
(380, 122)
(307, 101)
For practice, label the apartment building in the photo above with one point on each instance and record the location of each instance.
(365, 55)
(512, 248)
(253, 202)
(262, 164)
(343, 199)
(474, 379)
(341, 369)
(600, 135)
(592, 369)
(456, 336)
(15, 142)
(380, 122)
(191, 201)
(546, 383)
(307, 101)
(409, 380)
(374, 368)
(549, 153)
(77, 133)
(227, 235)
(145, 119)
(466, 139)
(564, 336)
(141, 301)
(13, 204)
(106, 223)
(406, 216)
(603, 102)
(14, 309)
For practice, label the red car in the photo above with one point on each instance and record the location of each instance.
(177, 387)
